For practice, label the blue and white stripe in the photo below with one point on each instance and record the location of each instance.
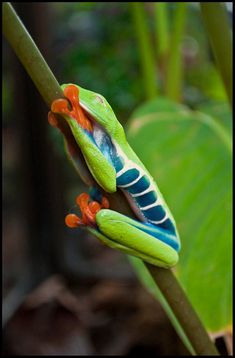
(133, 180)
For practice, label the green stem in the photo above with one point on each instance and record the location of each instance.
(148, 281)
(183, 310)
(145, 49)
(161, 28)
(30, 56)
(22, 43)
(220, 35)
(173, 87)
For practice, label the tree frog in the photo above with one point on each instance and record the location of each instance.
(113, 164)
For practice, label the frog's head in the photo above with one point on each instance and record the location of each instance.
(92, 123)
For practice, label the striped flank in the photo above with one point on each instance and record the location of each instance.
(134, 181)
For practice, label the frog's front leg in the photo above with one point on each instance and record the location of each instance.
(152, 244)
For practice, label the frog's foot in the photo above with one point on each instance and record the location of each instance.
(61, 106)
(89, 209)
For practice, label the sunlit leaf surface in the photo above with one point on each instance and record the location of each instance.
(190, 159)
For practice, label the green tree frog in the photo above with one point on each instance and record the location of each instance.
(113, 164)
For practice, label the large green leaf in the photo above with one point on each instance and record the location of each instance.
(189, 155)
(220, 111)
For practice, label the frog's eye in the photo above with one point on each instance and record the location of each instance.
(100, 99)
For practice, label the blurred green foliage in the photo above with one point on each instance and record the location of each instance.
(96, 47)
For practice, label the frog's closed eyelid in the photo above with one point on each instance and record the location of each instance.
(100, 99)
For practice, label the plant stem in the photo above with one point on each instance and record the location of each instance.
(30, 56)
(145, 49)
(23, 44)
(161, 28)
(147, 280)
(220, 35)
(183, 310)
(173, 87)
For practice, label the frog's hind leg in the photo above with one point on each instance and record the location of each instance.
(126, 234)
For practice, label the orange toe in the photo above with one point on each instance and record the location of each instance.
(104, 202)
(60, 106)
(72, 220)
(94, 207)
(71, 92)
(88, 208)
(52, 119)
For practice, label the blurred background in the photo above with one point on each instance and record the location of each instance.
(64, 292)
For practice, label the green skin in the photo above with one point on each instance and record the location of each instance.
(115, 230)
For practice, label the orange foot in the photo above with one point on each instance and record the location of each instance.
(88, 208)
(61, 106)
